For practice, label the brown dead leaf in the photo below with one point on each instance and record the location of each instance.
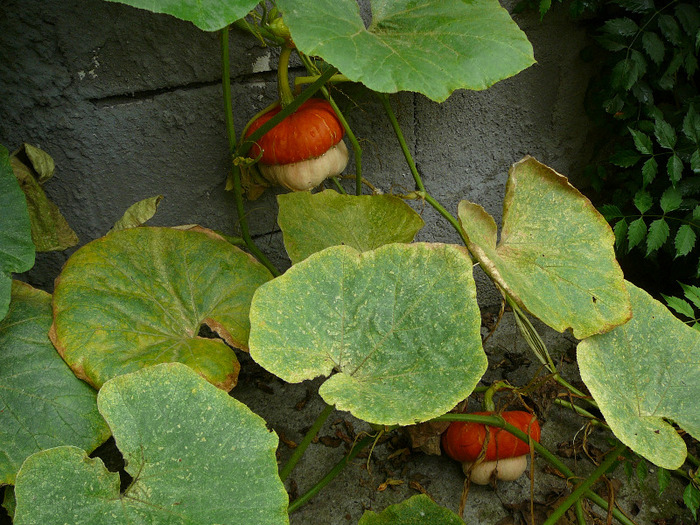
(389, 483)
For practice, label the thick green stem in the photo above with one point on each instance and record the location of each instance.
(357, 150)
(226, 85)
(608, 464)
(498, 421)
(236, 171)
(384, 98)
(283, 89)
(337, 469)
(306, 441)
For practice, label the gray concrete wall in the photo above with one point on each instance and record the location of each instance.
(129, 105)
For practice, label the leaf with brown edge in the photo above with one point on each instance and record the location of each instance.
(555, 257)
(138, 297)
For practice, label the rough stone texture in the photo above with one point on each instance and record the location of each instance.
(129, 105)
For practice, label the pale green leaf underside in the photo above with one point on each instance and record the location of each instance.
(430, 46)
(139, 296)
(643, 372)
(555, 256)
(417, 510)
(197, 456)
(400, 324)
(16, 247)
(42, 404)
(209, 15)
(312, 222)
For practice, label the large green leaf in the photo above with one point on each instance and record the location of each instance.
(209, 15)
(197, 456)
(42, 404)
(139, 297)
(429, 46)
(400, 324)
(16, 247)
(417, 510)
(642, 373)
(312, 222)
(555, 256)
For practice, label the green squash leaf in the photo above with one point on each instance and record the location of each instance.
(642, 373)
(312, 222)
(138, 297)
(16, 248)
(42, 404)
(209, 15)
(400, 324)
(50, 230)
(197, 456)
(417, 510)
(429, 46)
(555, 257)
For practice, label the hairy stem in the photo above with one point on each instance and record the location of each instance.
(306, 441)
(384, 98)
(337, 469)
(236, 170)
(498, 421)
(608, 464)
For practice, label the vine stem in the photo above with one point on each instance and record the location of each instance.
(608, 464)
(498, 421)
(283, 89)
(306, 441)
(384, 98)
(356, 149)
(236, 171)
(337, 469)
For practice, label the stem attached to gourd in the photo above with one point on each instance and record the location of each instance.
(236, 171)
(283, 89)
(357, 150)
(498, 421)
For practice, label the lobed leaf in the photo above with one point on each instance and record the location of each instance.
(16, 247)
(643, 373)
(312, 222)
(555, 257)
(43, 405)
(432, 47)
(138, 297)
(196, 456)
(398, 325)
(209, 15)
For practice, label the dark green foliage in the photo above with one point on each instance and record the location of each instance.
(648, 100)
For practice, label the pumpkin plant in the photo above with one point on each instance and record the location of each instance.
(394, 324)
